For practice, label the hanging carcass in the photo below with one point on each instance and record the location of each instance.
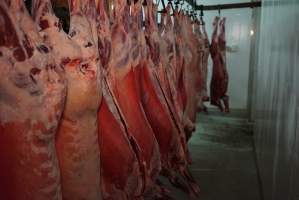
(121, 172)
(77, 140)
(121, 81)
(32, 95)
(219, 82)
(161, 54)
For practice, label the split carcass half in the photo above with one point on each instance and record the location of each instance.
(200, 59)
(153, 99)
(169, 132)
(179, 82)
(121, 81)
(154, 102)
(192, 72)
(170, 63)
(219, 82)
(77, 139)
(32, 95)
(183, 58)
(122, 176)
(206, 53)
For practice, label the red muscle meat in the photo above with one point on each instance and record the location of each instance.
(32, 93)
(106, 108)
(164, 118)
(179, 82)
(122, 83)
(202, 62)
(155, 103)
(153, 100)
(170, 62)
(206, 53)
(191, 73)
(121, 174)
(77, 139)
(219, 82)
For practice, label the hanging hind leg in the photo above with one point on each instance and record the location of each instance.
(225, 100)
(218, 104)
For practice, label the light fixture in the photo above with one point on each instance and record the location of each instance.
(251, 32)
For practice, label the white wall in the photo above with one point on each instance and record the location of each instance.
(277, 100)
(239, 24)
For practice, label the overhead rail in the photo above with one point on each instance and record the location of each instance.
(224, 6)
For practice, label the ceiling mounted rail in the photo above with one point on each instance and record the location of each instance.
(224, 6)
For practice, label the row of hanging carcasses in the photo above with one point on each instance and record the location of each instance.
(102, 111)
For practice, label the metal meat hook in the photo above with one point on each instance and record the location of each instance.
(201, 15)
